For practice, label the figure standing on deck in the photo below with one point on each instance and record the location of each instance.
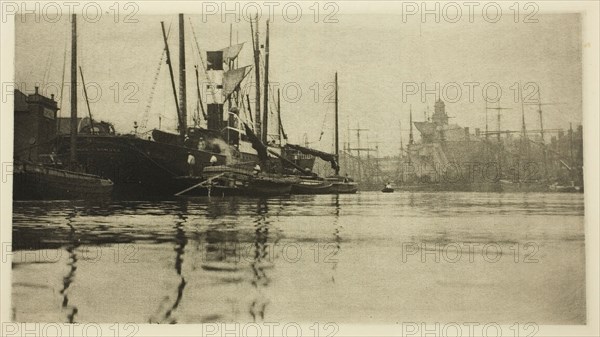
(191, 160)
(257, 169)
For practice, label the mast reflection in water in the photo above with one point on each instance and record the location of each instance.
(180, 243)
(287, 260)
(260, 262)
(72, 245)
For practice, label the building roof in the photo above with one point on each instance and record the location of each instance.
(21, 101)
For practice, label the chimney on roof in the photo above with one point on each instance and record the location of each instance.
(52, 96)
(37, 89)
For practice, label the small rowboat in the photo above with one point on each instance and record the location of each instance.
(388, 189)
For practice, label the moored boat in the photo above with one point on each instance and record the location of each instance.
(227, 180)
(310, 185)
(335, 184)
(35, 132)
(388, 189)
(43, 182)
(342, 185)
(152, 163)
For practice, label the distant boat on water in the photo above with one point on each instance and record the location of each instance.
(388, 189)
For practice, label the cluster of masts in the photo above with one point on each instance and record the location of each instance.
(260, 120)
(498, 128)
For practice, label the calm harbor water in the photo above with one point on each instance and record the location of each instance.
(365, 258)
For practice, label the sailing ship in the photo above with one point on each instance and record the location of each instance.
(142, 167)
(335, 184)
(38, 174)
(154, 166)
(239, 179)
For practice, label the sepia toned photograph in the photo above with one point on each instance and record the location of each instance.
(296, 168)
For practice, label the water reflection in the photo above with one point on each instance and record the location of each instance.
(219, 243)
(222, 250)
(337, 239)
(180, 244)
(222, 240)
(261, 261)
(214, 260)
(72, 245)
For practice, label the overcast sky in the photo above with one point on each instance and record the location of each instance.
(375, 54)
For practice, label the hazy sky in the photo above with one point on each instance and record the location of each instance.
(376, 56)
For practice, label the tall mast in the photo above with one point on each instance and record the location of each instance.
(182, 88)
(400, 133)
(265, 116)
(542, 135)
(523, 128)
(231, 63)
(499, 117)
(524, 142)
(279, 117)
(256, 77)
(410, 135)
(87, 101)
(162, 24)
(73, 89)
(337, 136)
(571, 161)
(486, 120)
(541, 119)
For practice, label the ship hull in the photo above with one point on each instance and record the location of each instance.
(341, 185)
(344, 188)
(251, 190)
(139, 168)
(312, 186)
(40, 182)
(228, 181)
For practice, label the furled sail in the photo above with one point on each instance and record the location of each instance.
(231, 52)
(260, 148)
(332, 158)
(232, 78)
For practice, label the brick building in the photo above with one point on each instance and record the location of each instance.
(35, 125)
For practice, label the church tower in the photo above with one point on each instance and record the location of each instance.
(439, 116)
